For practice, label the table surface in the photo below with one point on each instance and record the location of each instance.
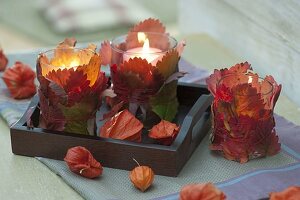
(27, 178)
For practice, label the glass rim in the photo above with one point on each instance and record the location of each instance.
(113, 46)
(247, 74)
(66, 48)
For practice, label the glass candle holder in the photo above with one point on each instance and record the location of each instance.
(70, 89)
(243, 121)
(142, 66)
(145, 45)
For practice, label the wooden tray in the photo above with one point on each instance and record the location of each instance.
(193, 117)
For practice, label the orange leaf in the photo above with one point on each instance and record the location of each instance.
(91, 69)
(165, 132)
(123, 126)
(168, 65)
(149, 25)
(19, 80)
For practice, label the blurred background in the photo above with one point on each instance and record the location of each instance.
(37, 23)
(219, 33)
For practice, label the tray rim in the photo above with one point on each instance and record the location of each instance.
(185, 136)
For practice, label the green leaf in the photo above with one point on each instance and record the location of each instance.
(169, 64)
(165, 103)
(166, 111)
(77, 116)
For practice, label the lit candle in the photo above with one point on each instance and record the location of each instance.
(59, 63)
(152, 55)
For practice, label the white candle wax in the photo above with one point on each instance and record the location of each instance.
(152, 55)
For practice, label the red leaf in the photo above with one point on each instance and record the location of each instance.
(149, 25)
(82, 162)
(201, 191)
(51, 117)
(223, 93)
(3, 61)
(123, 126)
(213, 80)
(136, 80)
(19, 79)
(60, 77)
(165, 132)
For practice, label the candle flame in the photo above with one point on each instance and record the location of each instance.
(142, 38)
(74, 63)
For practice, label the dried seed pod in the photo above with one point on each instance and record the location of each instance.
(19, 79)
(164, 132)
(82, 162)
(203, 191)
(290, 193)
(3, 60)
(141, 177)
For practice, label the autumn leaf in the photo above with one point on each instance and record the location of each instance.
(51, 117)
(136, 80)
(165, 103)
(77, 115)
(169, 64)
(149, 25)
(91, 69)
(248, 101)
(165, 132)
(213, 80)
(123, 126)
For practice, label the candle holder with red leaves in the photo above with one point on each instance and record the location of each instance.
(71, 86)
(243, 107)
(144, 71)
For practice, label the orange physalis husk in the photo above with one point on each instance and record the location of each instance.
(201, 191)
(291, 193)
(123, 126)
(3, 61)
(82, 162)
(165, 132)
(142, 177)
(19, 80)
